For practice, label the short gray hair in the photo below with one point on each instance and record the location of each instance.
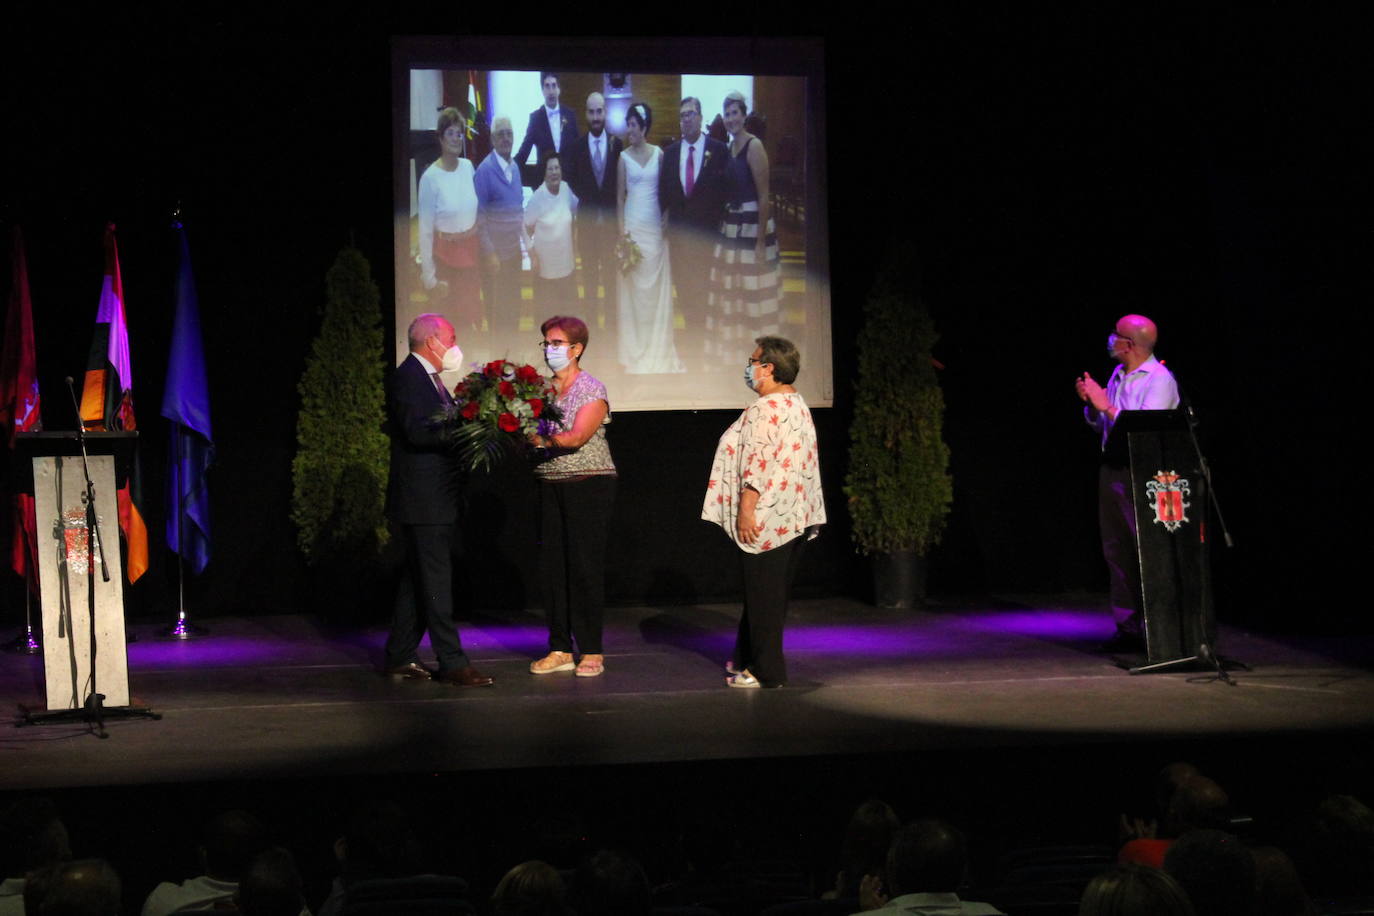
(783, 355)
(424, 327)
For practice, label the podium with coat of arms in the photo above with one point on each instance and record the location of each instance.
(1170, 496)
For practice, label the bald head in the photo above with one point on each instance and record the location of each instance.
(1139, 330)
(596, 114)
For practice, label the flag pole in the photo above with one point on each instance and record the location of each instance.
(26, 643)
(183, 628)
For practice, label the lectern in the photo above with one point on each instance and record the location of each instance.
(1169, 494)
(83, 615)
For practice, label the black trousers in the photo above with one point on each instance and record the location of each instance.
(424, 599)
(1116, 523)
(575, 519)
(767, 581)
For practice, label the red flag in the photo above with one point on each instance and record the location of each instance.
(107, 400)
(19, 401)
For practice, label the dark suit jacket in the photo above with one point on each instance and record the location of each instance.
(578, 172)
(704, 208)
(537, 135)
(423, 485)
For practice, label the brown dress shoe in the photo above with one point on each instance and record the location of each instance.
(464, 677)
(412, 671)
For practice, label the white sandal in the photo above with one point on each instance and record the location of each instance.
(743, 679)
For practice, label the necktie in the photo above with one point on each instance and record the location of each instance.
(691, 170)
(597, 162)
(443, 392)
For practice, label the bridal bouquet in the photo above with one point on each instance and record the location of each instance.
(628, 254)
(495, 410)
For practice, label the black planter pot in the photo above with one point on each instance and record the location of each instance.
(899, 579)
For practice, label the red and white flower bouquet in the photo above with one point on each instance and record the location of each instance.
(495, 410)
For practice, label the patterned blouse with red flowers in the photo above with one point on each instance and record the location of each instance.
(593, 458)
(772, 449)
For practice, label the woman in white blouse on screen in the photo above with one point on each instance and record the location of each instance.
(448, 228)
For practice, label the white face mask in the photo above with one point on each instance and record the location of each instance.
(557, 358)
(453, 359)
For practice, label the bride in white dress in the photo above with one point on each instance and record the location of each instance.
(646, 292)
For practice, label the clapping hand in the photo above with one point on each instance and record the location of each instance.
(1088, 390)
(871, 896)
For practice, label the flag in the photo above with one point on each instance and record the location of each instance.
(19, 402)
(107, 400)
(186, 402)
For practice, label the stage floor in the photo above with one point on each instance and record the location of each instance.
(291, 696)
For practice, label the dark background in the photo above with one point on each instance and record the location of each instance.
(1054, 168)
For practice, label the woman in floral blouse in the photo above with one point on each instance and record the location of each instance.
(765, 492)
(576, 490)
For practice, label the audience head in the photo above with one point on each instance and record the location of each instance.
(1134, 890)
(83, 887)
(231, 840)
(1167, 782)
(610, 883)
(1215, 870)
(1337, 853)
(380, 842)
(867, 837)
(271, 885)
(1198, 804)
(32, 835)
(1278, 889)
(927, 857)
(529, 889)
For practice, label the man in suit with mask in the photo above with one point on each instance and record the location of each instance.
(422, 498)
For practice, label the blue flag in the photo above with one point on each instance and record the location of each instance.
(186, 402)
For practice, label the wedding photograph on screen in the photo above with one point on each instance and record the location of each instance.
(680, 215)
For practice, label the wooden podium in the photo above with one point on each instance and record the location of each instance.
(1169, 492)
(83, 615)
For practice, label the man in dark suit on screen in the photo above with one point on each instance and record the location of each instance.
(551, 129)
(691, 191)
(591, 171)
(422, 498)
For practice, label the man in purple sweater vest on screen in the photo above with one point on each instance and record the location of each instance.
(500, 204)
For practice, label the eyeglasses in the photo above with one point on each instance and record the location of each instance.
(545, 344)
(1114, 337)
(687, 115)
(751, 361)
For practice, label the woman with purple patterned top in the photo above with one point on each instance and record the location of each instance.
(576, 491)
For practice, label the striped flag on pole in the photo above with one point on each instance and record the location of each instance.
(107, 400)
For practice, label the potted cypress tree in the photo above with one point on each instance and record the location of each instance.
(898, 483)
(340, 469)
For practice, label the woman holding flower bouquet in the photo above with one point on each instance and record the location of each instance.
(576, 490)
(645, 284)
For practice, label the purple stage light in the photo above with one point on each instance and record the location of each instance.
(1049, 623)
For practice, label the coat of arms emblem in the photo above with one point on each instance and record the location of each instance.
(1168, 490)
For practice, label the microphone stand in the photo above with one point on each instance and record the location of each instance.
(92, 712)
